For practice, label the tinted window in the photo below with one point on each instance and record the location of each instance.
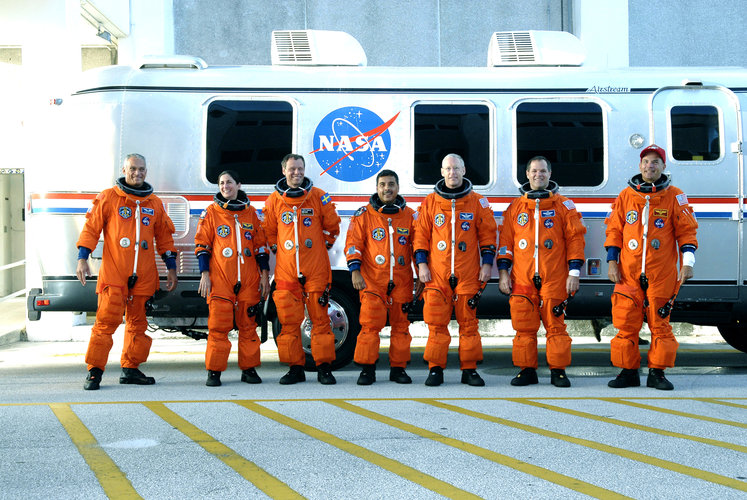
(441, 129)
(695, 134)
(569, 134)
(250, 137)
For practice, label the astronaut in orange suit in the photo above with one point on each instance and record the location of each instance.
(651, 227)
(130, 216)
(541, 240)
(301, 225)
(234, 267)
(378, 249)
(455, 236)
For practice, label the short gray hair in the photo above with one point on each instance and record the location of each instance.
(458, 158)
(134, 155)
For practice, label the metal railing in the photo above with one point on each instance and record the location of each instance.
(6, 267)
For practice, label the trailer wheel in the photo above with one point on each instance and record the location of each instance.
(735, 335)
(343, 315)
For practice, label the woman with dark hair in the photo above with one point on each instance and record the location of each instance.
(234, 267)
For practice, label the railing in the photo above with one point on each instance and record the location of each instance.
(11, 266)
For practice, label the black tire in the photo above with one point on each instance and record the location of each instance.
(343, 315)
(735, 335)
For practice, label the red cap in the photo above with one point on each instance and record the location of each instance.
(653, 148)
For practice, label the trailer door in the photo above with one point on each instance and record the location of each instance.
(699, 128)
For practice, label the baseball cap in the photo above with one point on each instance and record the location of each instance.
(653, 148)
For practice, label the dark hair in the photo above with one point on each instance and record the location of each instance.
(540, 158)
(232, 173)
(292, 156)
(387, 173)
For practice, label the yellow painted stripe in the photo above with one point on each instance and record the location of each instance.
(632, 455)
(113, 481)
(719, 402)
(630, 425)
(427, 481)
(250, 471)
(519, 465)
(675, 412)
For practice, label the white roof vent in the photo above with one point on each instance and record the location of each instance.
(316, 48)
(173, 62)
(535, 48)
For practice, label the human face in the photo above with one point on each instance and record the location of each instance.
(452, 171)
(294, 171)
(134, 172)
(387, 189)
(229, 188)
(651, 167)
(538, 175)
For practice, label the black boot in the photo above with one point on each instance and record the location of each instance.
(93, 379)
(657, 380)
(135, 376)
(294, 375)
(526, 376)
(368, 375)
(628, 377)
(399, 375)
(473, 378)
(435, 377)
(324, 374)
(213, 379)
(558, 378)
(250, 376)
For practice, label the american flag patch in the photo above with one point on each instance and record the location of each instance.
(484, 203)
(569, 205)
(682, 199)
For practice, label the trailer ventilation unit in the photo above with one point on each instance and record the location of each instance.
(535, 48)
(316, 48)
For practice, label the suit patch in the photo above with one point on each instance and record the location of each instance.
(147, 211)
(661, 212)
(440, 219)
(503, 250)
(247, 235)
(223, 231)
(682, 199)
(307, 211)
(631, 217)
(360, 211)
(659, 223)
(466, 216)
(352, 250)
(465, 226)
(246, 225)
(547, 213)
(378, 234)
(203, 214)
(403, 230)
(522, 219)
(549, 223)
(402, 240)
(569, 205)
(484, 203)
(146, 221)
(125, 212)
(307, 221)
(287, 217)
(326, 198)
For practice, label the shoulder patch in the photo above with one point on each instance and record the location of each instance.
(203, 214)
(325, 198)
(682, 199)
(484, 203)
(569, 205)
(360, 211)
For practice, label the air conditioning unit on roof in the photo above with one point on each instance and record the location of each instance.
(316, 48)
(535, 48)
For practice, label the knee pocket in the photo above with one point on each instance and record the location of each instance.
(524, 313)
(624, 352)
(289, 307)
(220, 315)
(437, 309)
(373, 311)
(111, 306)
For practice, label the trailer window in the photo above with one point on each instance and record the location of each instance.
(250, 137)
(569, 134)
(695, 133)
(441, 129)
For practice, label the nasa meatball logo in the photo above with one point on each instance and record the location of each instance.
(352, 143)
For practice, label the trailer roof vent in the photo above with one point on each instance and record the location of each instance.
(535, 48)
(172, 62)
(316, 48)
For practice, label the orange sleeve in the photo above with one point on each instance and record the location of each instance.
(89, 235)
(355, 240)
(164, 231)
(330, 223)
(270, 222)
(574, 233)
(423, 227)
(685, 223)
(614, 222)
(204, 234)
(486, 226)
(506, 234)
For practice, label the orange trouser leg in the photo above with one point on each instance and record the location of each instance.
(136, 343)
(663, 350)
(470, 344)
(111, 308)
(322, 339)
(627, 318)
(289, 305)
(558, 345)
(436, 314)
(248, 339)
(372, 319)
(400, 340)
(220, 322)
(525, 319)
